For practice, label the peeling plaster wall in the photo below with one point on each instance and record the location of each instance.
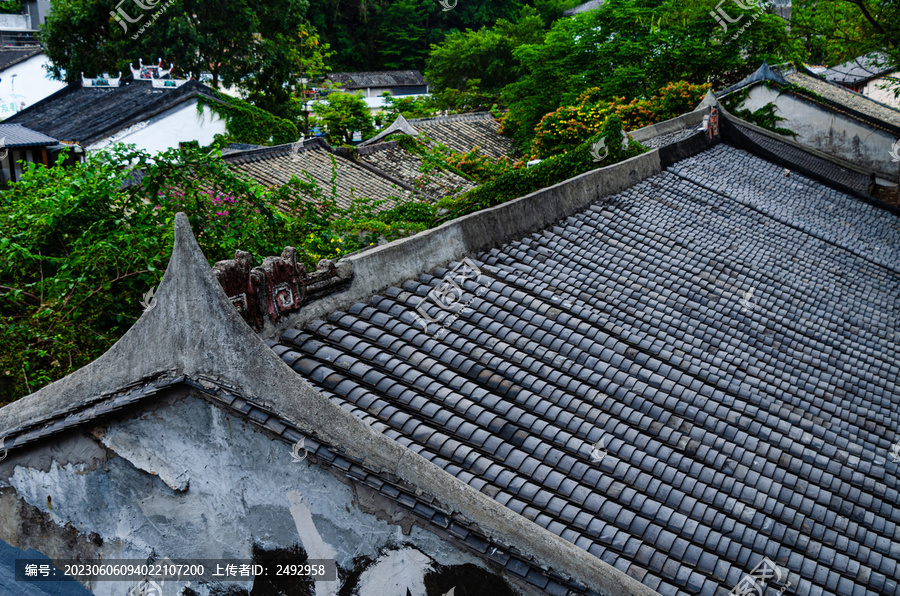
(183, 479)
(830, 132)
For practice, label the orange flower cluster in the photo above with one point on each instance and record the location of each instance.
(564, 129)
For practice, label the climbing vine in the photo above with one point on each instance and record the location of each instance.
(248, 124)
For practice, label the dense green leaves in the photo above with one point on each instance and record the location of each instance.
(343, 115)
(94, 36)
(249, 124)
(833, 31)
(384, 34)
(485, 55)
(82, 244)
(630, 49)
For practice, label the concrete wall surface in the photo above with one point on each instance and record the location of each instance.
(183, 479)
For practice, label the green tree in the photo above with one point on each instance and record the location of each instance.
(402, 44)
(833, 31)
(80, 248)
(631, 48)
(485, 55)
(198, 36)
(278, 72)
(409, 106)
(383, 34)
(343, 114)
(11, 7)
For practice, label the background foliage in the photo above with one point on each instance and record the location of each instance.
(81, 245)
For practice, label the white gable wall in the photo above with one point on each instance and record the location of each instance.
(31, 84)
(830, 132)
(180, 124)
(874, 89)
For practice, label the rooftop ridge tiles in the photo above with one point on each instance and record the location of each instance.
(470, 117)
(844, 90)
(775, 75)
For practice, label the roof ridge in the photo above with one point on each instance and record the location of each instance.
(267, 152)
(843, 89)
(452, 118)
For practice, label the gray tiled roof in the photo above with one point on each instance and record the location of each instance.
(827, 168)
(859, 69)
(589, 5)
(274, 166)
(732, 431)
(84, 115)
(463, 132)
(835, 96)
(386, 78)
(390, 158)
(12, 56)
(16, 135)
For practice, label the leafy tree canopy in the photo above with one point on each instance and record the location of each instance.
(342, 115)
(386, 34)
(830, 32)
(633, 48)
(94, 36)
(485, 55)
(279, 71)
(82, 245)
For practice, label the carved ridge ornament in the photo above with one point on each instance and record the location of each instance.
(713, 129)
(277, 287)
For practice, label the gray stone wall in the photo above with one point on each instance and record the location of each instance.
(184, 479)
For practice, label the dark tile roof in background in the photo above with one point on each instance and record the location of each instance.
(859, 69)
(463, 132)
(16, 135)
(733, 431)
(387, 78)
(86, 115)
(12, 56)
(590, 5)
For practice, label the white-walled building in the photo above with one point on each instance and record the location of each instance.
(871, 75)
(151, 111)
(24, 80)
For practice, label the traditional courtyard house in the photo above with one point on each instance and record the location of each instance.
(871, 75)
(18, 144)
(148, 109)
(826, 117)
(673, 375)
(373, 84)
